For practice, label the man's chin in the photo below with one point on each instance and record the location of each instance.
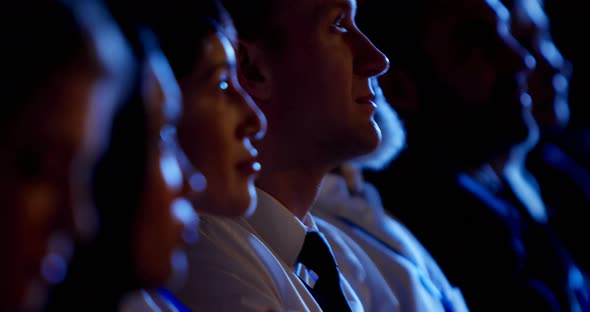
(374, 137)
(367, 143)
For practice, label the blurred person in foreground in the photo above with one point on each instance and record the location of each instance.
(61, 86)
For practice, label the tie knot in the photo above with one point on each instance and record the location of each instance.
(316, 255)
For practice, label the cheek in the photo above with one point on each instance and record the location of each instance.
(157, 235)
(214, 141)
(335, 68)
(157, 207)
(162, 192)
(218, 164)
(39, 203)
(29, 232)
(39, 209)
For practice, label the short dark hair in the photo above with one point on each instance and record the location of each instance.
(180, 26)
(255, 20)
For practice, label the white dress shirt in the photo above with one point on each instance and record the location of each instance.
(360, 271)
(407, 267)
(241, 264)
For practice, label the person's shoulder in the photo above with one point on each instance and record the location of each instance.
(358, 268)
(347, 251)
(230, 269)
(339, 241)
(227, 242)
(218, 229)
(330, 231)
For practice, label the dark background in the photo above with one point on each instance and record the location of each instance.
(571, 33)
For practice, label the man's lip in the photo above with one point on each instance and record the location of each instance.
(367, 99)
(367, 103)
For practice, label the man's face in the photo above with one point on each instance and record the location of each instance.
(477, 77)
(321, 99)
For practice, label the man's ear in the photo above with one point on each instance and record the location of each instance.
(253, 70)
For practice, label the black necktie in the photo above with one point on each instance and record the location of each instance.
(317, 256)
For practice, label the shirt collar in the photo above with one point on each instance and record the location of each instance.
(280, 229)
(336, 200)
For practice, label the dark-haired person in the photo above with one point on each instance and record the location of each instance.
(147, 213)
(66, 68)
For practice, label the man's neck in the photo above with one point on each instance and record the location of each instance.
(295, 189)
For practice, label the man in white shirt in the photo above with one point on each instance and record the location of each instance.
(308, 67)
(249, 264)
(354, 206)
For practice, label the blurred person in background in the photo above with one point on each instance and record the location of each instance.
(568, 22)
(65, 68)
(563, 182)
(460, 90)
(145, 221)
